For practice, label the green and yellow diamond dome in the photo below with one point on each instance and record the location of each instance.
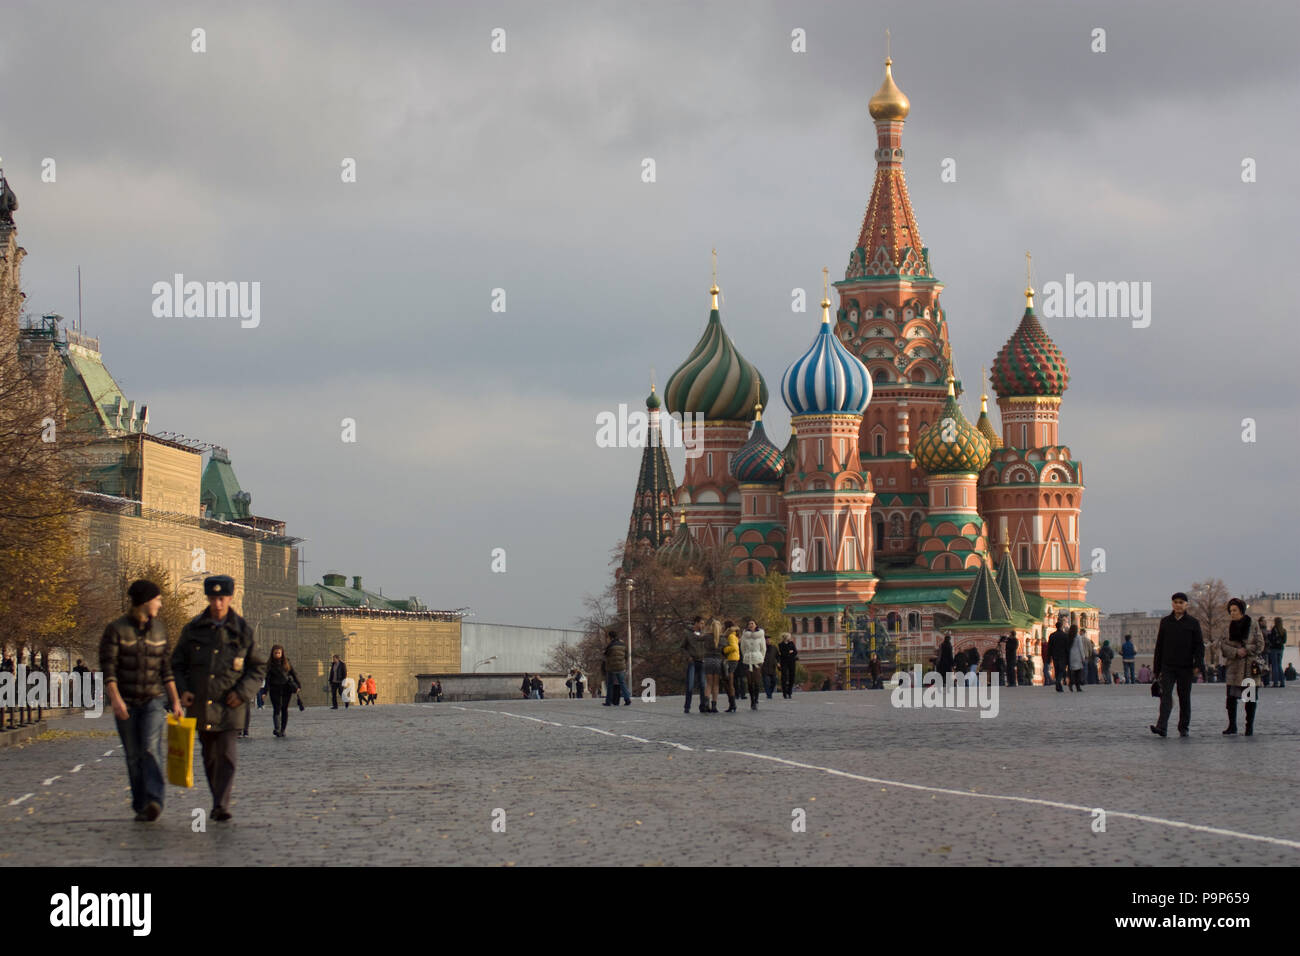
(952, 444)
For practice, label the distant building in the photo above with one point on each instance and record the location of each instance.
(141, 492)
(390, 639)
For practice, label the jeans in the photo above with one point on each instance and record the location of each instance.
(694, 679)
(1105, 671)
(1169, 681)
(142, 739)
(1275, 675)
(1130, 673)
(769, 684)
(280, 697)
(617, 681)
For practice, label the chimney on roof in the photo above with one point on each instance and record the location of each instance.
(356, 581)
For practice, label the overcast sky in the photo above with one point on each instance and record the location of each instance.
(522, 171)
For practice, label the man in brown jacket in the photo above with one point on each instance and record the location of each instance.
(218, 673)
(137, 670)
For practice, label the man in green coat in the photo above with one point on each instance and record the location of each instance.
(217, 674)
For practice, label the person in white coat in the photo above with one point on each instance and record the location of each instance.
(349, 691)
(753, 648)
(1078, 658)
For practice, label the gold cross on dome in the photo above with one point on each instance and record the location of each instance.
(826, 282)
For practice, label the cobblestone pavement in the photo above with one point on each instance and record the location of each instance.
(579, 783)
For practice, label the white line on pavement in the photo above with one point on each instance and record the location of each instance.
(1145, 818)
(46, 783)
(1035, 801)
(14, 803)
(108, 753)
(76, 768)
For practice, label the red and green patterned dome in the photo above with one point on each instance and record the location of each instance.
(952, 445)
(1030, 363)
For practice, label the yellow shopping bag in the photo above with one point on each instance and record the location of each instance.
(180, 751)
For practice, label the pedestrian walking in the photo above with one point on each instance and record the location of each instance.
(753, 650)
(217, 674)
(616, 671)
(539, 689)
(1078, 658)
(349, 692)
(693, 644)
(713, 663)
(1239, 650)
(1275, 644)
(946, 660)
(526, 688)
(137, 672)
(788, 653)
(1046, 650)
(372, 690)
(771, 656)
(730, 661)
(338, 674)
(1128, 654)
(1106, 655)
(873, 667)
(282, 683)
(1180, 650)
(1058, 649)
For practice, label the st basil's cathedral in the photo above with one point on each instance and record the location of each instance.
(893, 517)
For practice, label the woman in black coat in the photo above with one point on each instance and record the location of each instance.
(282, 683)
(945, 658)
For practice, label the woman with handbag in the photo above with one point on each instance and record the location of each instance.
(713, 645)
(1240, 649)
(282, 683)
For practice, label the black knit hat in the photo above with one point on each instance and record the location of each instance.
(142, 592)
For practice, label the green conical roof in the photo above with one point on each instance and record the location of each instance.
(1009, 585)
(683, 553)
(984, 603)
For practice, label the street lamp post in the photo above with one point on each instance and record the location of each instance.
(630, 586)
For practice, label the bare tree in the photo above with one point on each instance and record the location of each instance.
(1208, 603)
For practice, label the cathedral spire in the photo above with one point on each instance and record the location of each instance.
(889, 242)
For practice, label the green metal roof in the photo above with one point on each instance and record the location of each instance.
(220, 489)
(920, 596)
(984, 603)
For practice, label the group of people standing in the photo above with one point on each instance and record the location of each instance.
(740, 663)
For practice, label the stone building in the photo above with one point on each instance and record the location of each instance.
(390, 639)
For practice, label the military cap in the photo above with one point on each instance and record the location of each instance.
(219, 584)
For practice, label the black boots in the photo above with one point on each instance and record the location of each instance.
(1232, 716)
(1250, 716)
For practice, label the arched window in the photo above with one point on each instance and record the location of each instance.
(880, 531)
(913, 621)
(805, 625)
(896, 526)
(916, 524)
(817, 625)
(880, 446)
(946, 489)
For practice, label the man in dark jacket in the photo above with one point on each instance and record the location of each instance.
(1180, 650)
(693, 645)
(137, 672)
(788, 652)
(1013, 672)
(217, 674)
(338, 674)
(1058, 649)
(616, 671)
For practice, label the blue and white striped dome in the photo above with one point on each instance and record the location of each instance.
(828, 378)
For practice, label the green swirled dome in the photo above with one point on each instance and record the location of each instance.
(715, 381)
(968, 451)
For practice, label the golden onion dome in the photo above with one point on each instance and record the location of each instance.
(889, 103)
